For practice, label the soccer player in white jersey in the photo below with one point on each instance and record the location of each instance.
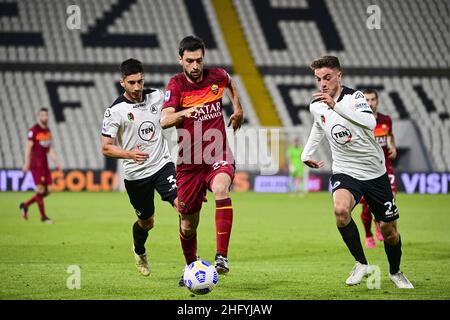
(131, 131)
(344, 117)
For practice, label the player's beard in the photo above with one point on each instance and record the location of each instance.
(194, 76)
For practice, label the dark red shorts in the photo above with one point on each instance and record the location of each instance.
(193, 184)
(42, 176)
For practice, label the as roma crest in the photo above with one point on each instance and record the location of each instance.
(215, 89)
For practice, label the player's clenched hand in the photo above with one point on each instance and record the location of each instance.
(314, 164)
(138, 156)
(326, 98)
(192, 112)
(392, 154)
(25, 168)
(236, 119)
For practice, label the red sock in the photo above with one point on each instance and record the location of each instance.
(40, 202)
(189, 246)
(224, 221)
(31, 200)
(366, 217)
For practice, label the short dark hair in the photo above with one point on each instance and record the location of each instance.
(131, 66)
(331, 62)
(43, 109)
(191, 43)
(370, 90)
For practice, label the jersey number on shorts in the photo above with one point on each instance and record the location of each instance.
(219, 164)
(391, 178)
(171, 179)
(392, 208)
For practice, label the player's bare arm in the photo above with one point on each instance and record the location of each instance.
(28, 147)
(52, 155)
(170, 118)
(392, 148)
(314, 139)
(237, 118)
(314, 164)
(109, 149)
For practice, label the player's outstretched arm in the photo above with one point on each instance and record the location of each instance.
(52, 155)
(109, 149)
(28, 147)
(313, 142)
(170, 118)
(237, 118)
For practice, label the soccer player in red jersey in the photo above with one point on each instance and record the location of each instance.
(193, 103)
(385, 137)
(38, 145)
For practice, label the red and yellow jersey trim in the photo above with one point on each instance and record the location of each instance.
(203, 96)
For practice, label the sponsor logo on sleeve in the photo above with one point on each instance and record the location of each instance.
(362, 107)
(107, 113)
(359, 95)
(30, 134)
(167, 96)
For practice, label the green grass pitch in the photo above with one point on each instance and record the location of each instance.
(282, 248)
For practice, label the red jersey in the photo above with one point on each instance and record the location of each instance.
(382, 131)
(203, 140)
(41, 143)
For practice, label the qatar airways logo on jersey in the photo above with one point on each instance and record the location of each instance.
(382, 141)
(209, 111)
(45, 143)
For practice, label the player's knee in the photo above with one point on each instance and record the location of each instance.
(187, 231)
(146, 224)
(342, 214)
(40, 189)
(389, 232)
(187, 228)
(220, 191)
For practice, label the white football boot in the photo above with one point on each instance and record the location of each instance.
(142, 263)
(401, 281)
(358, 272)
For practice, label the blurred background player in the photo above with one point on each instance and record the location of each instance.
(131, 131)
(385, 137)
(39, 144)
(297, 183)
(193, 103)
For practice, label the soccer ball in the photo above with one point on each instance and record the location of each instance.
(200, 277)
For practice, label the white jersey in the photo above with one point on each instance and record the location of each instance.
(349, 129)
(137, 124)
